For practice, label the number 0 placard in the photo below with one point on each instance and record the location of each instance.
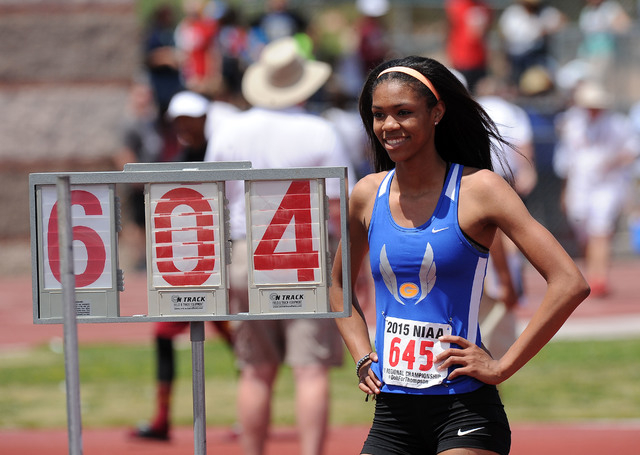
(287, 232)
(185, 248)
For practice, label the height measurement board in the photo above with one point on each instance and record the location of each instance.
(187, 242)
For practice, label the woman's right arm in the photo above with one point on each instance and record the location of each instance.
(353, 329)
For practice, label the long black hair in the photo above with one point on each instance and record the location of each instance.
(465, 132)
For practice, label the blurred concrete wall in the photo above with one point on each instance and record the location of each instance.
(65, 68)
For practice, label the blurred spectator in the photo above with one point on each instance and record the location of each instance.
(469, 22)
(195, 120)
(373, 40)
(570, 74)
(525, 28)
(277, 133)
(504, 282)
(278, 21)
(232, 49)
(595, 153)
(159, 428)
(343, 114)
(141, 138)
(543, 102)
(601, 23)
(634, 209)
(194, 37)
(141, 142)
(191, 114)
(497, 99)
(161, 57)
(634, 115)
(336, 42)
(188, 114)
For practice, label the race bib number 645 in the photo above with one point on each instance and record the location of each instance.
(410, 349)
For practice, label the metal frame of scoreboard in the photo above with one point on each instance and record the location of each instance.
(188, 243)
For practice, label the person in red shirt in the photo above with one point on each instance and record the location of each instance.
(373, 40)
(194, 37)
(469, 22)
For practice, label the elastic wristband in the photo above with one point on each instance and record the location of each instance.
(361, 362)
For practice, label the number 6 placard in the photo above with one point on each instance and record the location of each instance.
(286, 229)
(94, 250)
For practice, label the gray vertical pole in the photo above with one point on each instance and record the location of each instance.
(199, 408)
(68, 281)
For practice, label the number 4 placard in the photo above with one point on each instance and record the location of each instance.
(287, 234)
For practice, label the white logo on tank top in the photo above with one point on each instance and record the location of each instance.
(409, 290)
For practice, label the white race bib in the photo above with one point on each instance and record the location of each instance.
(410, 349)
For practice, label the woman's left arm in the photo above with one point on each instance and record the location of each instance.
(489, 203)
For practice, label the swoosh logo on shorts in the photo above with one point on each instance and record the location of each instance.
(466, 432)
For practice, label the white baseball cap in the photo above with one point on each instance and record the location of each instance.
(187, 104)
(373, 8)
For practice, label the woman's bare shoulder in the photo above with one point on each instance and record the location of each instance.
(363, 195)
(368, 184)
(483, 180)
(487, 191)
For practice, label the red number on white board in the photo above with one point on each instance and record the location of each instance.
(295, 206)
(205, 237)
(96, 253)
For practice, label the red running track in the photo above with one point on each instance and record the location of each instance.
(528, 439)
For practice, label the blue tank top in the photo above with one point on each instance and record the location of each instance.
(428, 282)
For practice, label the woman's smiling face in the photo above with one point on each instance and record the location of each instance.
(402, 122)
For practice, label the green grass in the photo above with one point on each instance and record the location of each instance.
(577, 380)
(566, 381)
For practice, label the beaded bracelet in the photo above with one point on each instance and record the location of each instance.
(361, 362)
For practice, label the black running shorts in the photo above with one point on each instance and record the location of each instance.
(429, 424)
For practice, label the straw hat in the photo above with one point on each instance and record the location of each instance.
(535, 80)
(591, 95)
(282, 77)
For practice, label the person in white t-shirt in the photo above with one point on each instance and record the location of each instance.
(602, 23)
(277, 132)
(525, 28)
(595, 152)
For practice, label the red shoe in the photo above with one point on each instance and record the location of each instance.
(148, 432)
(599, 289)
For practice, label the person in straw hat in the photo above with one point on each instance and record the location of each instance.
(277, 132)
(595, 149)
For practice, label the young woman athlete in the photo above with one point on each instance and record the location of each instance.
(427, 218)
